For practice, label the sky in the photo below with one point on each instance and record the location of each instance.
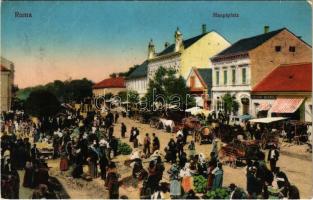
(76, 39)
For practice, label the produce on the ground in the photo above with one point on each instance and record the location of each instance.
(200, 183)
(219, 193)
(124, 148)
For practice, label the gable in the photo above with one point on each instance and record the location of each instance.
(198, 80)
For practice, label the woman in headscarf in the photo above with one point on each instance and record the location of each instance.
(103, 162)
(218, 176)
(92, 161)
(63, 160)
(202, 166)
(112, 181)
(172, 150)
(28, 176)
(211, 167)
(187, 180)
(152, 181)
(175, 184)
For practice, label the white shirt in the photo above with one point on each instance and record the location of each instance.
(272, 156)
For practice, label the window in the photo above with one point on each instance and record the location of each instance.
(277, 48)
(217, 77)
(292, 49)
(244, 75)
(233, 80)
(225, 77)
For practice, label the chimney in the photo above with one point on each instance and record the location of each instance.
(166, 45)
(266, 29)
(203, 28)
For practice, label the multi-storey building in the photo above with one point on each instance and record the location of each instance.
(7, 80)
(237, 69)
(137, 80)
(185, 54)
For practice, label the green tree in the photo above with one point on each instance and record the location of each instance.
(67, 91)
(129, 95)
(230, 104)
(42, 104)
(133, 97)
(170, 87)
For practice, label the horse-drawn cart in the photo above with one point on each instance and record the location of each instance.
(205, 135)
(270, 136)
(240, 151)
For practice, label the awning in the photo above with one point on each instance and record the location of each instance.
(245, 117)
(286, 105)
(193, 109)
(264, 106)
(267, 120)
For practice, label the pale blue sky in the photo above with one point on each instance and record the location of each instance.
(93, 39)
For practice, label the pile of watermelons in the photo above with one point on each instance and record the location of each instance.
(219, 193)
(200, 184)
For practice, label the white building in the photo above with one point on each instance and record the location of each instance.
(137, 80)
(237, 69)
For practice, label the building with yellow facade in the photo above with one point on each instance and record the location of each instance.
(183, 55)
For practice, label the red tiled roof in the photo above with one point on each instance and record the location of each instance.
(287, 78)
(111, 83)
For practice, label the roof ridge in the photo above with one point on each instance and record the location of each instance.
(250, 43)
(278, 30)
(184, 40)
(278, 70)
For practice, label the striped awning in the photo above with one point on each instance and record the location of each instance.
(264, 106)
(286, 105)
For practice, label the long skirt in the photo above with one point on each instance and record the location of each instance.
(64, 164)
(187, 183)
(93, 170)
(175, 188)
(28, 178)
(210, 180)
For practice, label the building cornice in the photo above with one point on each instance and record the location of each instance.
(164, 57)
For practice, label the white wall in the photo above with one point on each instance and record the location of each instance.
(308, 109)
(139, 85)
(238, 89)
(172, 62)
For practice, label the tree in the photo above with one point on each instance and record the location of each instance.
(78, 90)
(67, 91)
(113, 75)
(230, 104)
(168, 88)
(131, 96)
(42, 104)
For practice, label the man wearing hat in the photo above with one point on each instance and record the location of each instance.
(273, 156)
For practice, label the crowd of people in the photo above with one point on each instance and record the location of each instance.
(92, 141)
(18, 153)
